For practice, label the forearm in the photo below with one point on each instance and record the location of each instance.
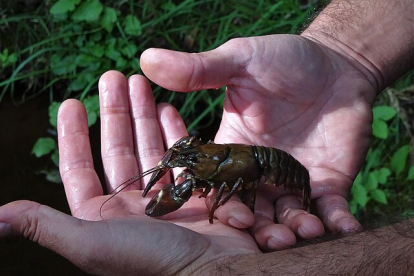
(385, 251)
(379, 34)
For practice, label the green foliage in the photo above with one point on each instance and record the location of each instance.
(92, 108)
(399, 159)
(63, 6)
(7, 59)
(382, 114)
(132, 25)
(48, 146)
(64, 46)
(388, 173)
(53, 110)
(76, 41)
(43, 146)
(410, 175)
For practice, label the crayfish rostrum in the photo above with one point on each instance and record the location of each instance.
(228, 167)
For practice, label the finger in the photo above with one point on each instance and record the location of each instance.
(74, 239)
(172, 126)
(187, 72)
(289, 212)
(233, 213)
(52, 229)
(148, 136)
(335, 214)
(107, 247)
(268, 235)
(75, 157)
(118, 153)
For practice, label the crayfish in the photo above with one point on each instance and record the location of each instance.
(228, 167)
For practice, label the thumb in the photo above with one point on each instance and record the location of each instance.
(184, 72)
(49, 228)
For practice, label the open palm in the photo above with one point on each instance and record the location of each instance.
(126, 241)
(291, 93)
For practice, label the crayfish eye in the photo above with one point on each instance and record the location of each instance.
(192, 158)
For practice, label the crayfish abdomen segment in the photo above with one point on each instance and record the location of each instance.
(281, 168)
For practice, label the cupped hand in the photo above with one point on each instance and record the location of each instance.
(291, 93)
(126, 242)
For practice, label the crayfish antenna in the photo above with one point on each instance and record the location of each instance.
(131, 180)
(162, 168)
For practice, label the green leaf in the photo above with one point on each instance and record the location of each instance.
(374, 157)
(108, 19)
(380, 129)
(84, 60)
(120, 63)
(97, 50)
(129, 50)
(360, 195)
(54, 176)
(91, 104)
(132, 25)
(55, 157)
(78, 84)
(399, 159)
(43, 146)
(379, 196)
(358, 179)
(53, 110)
(383, 112)
(135, 64)
(4, 55)
(92, 117)
(62, 65)
(81, 80)
(7, 59)
(353, 205)
(112, 54)
(382, 175)
(88, 10)
(168, 6)
(411, 173)
(63, 6)
(11, 59)
(372, 182)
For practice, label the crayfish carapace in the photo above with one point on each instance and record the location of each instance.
(228, 167)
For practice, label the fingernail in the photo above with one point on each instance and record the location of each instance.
(350, 226)
(236, 223)
(276, 244)
(5, 230)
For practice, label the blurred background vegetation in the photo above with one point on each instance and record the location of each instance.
(54, 50)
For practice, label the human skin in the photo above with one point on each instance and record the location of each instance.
(310, 95)
(127, 242)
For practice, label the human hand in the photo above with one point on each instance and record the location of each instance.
(294, 94)
(133, 132)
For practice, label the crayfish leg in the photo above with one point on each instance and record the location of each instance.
(220, 202)
(249, 196)
(216, 202)
(205, 192)
(236, 187)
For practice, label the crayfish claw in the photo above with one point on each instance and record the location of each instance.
(169, 199)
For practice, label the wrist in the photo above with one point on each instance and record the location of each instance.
(378, 34)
